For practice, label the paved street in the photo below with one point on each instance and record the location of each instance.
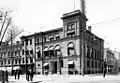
(68, 79)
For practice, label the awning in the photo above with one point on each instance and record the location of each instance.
(38, 50)
(9, 68)
(3, 69)
(46, 49)
(70, 62)
(71, 45)
(45, 64)
(51, 48)
(57, 48)
(16, 68)
(57, 35)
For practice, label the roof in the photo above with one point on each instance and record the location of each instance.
(53, 30)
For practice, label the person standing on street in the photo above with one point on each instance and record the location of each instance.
(28, 73)
(104, 69)
(15, 73)
(31, 75)
(18, 74)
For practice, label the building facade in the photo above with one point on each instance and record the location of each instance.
(10, 56)
(71, 49)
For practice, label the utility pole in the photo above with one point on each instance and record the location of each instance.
(26, 56)
(11, 52)
(42, 53)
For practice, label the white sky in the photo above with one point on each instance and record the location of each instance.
(39, 15)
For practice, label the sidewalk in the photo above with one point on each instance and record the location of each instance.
(61, 78)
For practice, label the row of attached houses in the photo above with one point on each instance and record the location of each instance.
(70, 49)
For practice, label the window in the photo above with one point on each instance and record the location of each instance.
(1, 63)
(19, 61)
(57, 37)
(92, 64)
(23, 52)
(22, 43)
(46, 52)
(45, 39)
(37, 40)
(88, 64)
(88, 52)
(51, 39)
(8, 54)
(92, 53)
(70, 27)
(26, 60)
(31, 60)
(15, 61)
(26, 42)
(71, 50)
(8, 61)
(15, 53)
(51, 51)
(23, 60)
(31, 51)
(30, 41)
(27, 52)
(38, 54)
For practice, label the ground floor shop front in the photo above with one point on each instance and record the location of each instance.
(69, 65)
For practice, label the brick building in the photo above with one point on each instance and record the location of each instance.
(69, 49)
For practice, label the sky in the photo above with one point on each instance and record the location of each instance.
(40, 15)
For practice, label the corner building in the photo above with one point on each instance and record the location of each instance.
(68, 50)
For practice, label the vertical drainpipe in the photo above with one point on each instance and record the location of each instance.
(35, 53)
(82, 51)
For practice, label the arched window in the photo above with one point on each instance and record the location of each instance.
(46, 52)
(31, 51)
(71, 50)
(88, 51)
(57, 51)
(51, 51)
(38, 52)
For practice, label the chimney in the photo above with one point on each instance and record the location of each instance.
(89, 28)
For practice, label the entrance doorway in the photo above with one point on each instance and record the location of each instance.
(54, 67)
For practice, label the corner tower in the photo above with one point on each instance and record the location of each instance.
(73, 22)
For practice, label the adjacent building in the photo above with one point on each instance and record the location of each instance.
(111, 61)
(10, 56)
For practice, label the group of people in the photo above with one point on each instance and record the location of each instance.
(29, 74)
(17, 74)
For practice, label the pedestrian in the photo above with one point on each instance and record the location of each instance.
(18, 73)
(27, 73)
(6, 76)
(15, 73)
(31, 75)
(104, 70)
